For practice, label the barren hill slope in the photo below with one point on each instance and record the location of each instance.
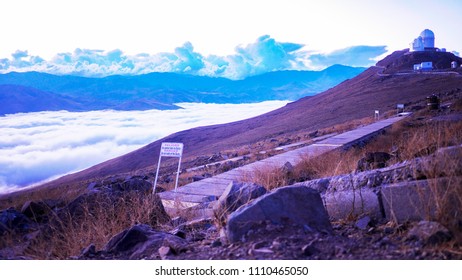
(353, 99)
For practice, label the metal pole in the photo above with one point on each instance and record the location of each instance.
(157, 174)
(177, 174)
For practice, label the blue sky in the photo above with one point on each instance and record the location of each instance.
(224, 38)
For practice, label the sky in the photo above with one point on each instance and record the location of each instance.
(232, 39)
(35, 147)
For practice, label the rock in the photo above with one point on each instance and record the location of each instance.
(216, 243)
(373, 161)
(165, 252)
(178, 232)
(314, 134)
(175, 222)
(363, 223)
(429, 233)
(142, 242)
(88, 252)
(136, 184)
(197, 225)
(287, 205)
(36, 211)
(197, 178)
(93, 186)
(12, 220)
(310, 250)
(235, 195)
(287, 168)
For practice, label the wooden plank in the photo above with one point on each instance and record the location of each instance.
(211, 188)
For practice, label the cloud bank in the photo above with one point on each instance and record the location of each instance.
(264, 55)
(38, 146)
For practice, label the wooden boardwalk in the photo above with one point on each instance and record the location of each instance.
(210, 189)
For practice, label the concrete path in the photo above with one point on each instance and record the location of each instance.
(210, 189)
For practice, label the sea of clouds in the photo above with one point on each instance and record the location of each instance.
(35, 147)
(264, 55)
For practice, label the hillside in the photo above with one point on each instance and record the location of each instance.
(27, 99)
(353, 99)
(162, 90)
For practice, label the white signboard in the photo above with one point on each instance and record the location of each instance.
(168, 149)
(400, 106)
(171, 149)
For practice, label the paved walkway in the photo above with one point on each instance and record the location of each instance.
(210, 189)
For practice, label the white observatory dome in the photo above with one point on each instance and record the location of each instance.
(428, 38)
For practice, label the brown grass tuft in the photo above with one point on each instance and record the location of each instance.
(93, 220)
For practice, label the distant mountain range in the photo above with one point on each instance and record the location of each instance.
(351, 100)
(34, 91)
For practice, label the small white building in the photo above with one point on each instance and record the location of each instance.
(454, 65)
(424, 66)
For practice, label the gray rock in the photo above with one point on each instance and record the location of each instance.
(287, 168)
(234, 196)
(165, 252)
(429, 233)
(363, 223)
(142, 242)
(88, 252)
(14, 221)
(288, 205)
(36, 211)
(373, 161)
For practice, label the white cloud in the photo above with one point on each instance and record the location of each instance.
(39, 146)
(264, 55)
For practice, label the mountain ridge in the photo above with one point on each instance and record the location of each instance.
(162, 90)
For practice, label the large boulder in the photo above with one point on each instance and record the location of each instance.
(142, 242)
(234, 196)
(292, 205)
(429, 233)
(14, 221)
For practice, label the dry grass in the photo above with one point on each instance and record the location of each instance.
(92, 219)
(407, 140)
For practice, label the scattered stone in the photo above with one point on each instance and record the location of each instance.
(373, 161)
(216, 243)
(142, 242)
(93, 186)
(314, 134)
(36, 211)
(363, 223)
(429, 233)
(175, 222)
(197, 225)
(287, 205)
(287, 168)
(12, 220)
(165, 252)
(263, 251)
(235, 195)
(259, 245)
(197, 178)
(89, 251)
(310, 250)
(178, 232)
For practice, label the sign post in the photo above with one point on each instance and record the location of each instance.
(399, 107)
(376, 115)
(169, 150)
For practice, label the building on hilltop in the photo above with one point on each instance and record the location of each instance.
(425, 42)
